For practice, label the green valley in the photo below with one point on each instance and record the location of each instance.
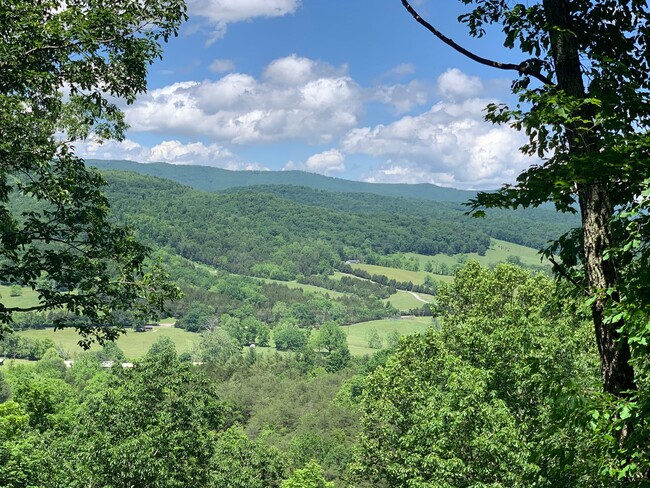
(226, 313)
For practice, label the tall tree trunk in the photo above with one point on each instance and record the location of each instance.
(596, 211)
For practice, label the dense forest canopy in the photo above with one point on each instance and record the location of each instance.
(246, 230)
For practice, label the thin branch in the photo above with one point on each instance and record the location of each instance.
(567, 276)
(35, 308)
(29, 52)
(521, 68)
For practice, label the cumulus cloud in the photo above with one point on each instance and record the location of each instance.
(171, 151)
(399, 71)
(404, 97)
(217, 14)
(453, 83)
(222, 65)
(297, 99)
(304, 101)
(291, 70)
(326, 162)
(449, 145)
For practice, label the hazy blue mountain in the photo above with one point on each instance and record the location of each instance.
(211, 179)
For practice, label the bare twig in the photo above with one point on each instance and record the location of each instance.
(521, 68)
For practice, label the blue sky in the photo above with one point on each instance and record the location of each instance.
(349, 88)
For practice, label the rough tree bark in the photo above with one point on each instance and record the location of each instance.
(595, 209)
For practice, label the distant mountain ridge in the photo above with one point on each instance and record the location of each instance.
(207, 178)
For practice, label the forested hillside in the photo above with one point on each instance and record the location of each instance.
(256, 230)
(255, 233)
(530, 227)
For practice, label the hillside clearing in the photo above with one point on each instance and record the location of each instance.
(133, 344)
(357, 334)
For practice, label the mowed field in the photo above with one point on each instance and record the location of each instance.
(415, 277)
(304, 287)
(498, 252)
(134, 344)
(357, 334)
(27, 298)
(404, 300)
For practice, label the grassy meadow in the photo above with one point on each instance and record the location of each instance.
(357, 334)
(415, 277)
(498, 252)
(27, 298)
(304, 287)
(134, 344)
(403, 300)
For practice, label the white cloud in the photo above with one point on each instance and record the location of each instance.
(219, 13)
(449, 145)
(222, 65)
(399, 71)
(404, 97)
(191, 153)
(172, 151)
(326, 162)
(313, 102)
(291, 70)
(453, 83)
(239, 10)
(331, 161)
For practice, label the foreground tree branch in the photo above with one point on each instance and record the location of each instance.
(521, 68)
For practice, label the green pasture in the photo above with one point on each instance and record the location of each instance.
(27, 298)
(498, 252)
(357, 334)
(305, 288)
(134, 344)
(403, 300)
(415, 277)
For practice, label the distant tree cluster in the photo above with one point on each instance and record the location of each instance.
(429, 286)
(351, 285)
